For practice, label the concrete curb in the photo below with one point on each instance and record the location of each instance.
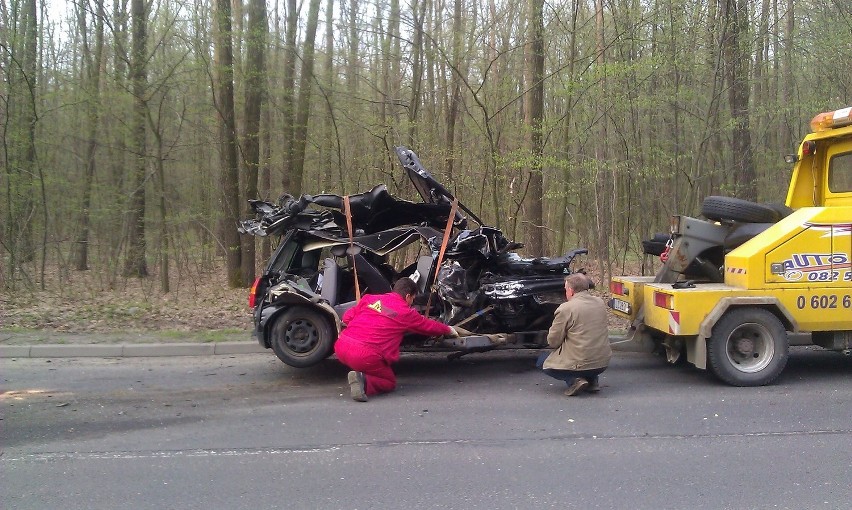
(129, 350)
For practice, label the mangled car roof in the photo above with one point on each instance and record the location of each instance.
(373, 211)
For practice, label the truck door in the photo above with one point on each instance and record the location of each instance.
(838, 196)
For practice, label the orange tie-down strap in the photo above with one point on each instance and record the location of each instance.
(447, 230)
(347, 210)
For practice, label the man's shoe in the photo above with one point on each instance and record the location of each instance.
(576, 387)
(593, 387)
(357, 386)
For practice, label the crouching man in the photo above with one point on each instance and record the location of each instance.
(374, 330)
(579, 337)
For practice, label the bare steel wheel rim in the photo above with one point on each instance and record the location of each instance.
(301, 336)
(750, 348)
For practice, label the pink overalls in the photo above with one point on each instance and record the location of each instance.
(374, 330)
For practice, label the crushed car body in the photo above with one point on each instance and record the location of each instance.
(334, 248)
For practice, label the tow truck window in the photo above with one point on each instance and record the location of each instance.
(840, 173)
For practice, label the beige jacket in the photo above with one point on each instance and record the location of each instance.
(579, 335)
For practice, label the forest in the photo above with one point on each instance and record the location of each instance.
(135, 131)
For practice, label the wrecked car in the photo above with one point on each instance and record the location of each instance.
(334, 248)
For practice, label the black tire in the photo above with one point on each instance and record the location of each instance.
(782, 210)
(727, 208)
(302, 337)
(657, 244)
(748, 347)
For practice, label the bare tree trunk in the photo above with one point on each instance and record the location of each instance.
(352, 59)
(715, 63)
(418, 11)
(455, 84)
(761, 76)
(395, 57)
(288, 94)
(534, 116)
(265, 179)
(266, 130)
(135, 264)
(735, 17)
(568, 132)
(117, 140)
(160, 183)
(383, 94)
(786, 128)
(255, 94)
(237, 35)
(93, 78)
(430, 100)
(303, 109)
(330, 140)
(19, 136)
(228, 157)
(602, 181)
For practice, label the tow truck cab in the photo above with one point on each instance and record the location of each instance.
(790, 284)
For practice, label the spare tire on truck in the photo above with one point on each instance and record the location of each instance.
(657, 244)
(734, 209)
(782, 209)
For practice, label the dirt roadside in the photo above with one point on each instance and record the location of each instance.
(83, 311)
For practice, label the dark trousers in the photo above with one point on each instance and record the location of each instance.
(568, 375)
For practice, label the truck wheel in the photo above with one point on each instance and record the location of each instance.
(748, 347)
(302, 337)
(727, 208)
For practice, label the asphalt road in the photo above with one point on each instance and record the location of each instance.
(487, 431)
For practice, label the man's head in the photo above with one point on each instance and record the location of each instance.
(574, 283)
(406, 288)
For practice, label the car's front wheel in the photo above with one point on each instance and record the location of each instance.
(302, 337)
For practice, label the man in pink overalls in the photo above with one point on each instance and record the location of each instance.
(374, 330)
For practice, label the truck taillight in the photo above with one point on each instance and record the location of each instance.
(831, 120)
(617, 288)
(663, 300)
(252, 299)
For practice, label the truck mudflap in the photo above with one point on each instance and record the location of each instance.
(641, 338)
(637, 338)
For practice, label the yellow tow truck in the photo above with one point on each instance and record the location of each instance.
(740, 285)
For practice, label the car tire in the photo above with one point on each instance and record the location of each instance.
(748, 347)
(302, 337)
(734, 209)
(657, 244)
(781, 209)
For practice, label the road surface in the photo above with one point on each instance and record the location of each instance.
(487, 431)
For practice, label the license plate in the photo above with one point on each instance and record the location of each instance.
(620, 306)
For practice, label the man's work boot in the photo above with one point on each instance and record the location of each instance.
(357, 386)
(576, 387)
